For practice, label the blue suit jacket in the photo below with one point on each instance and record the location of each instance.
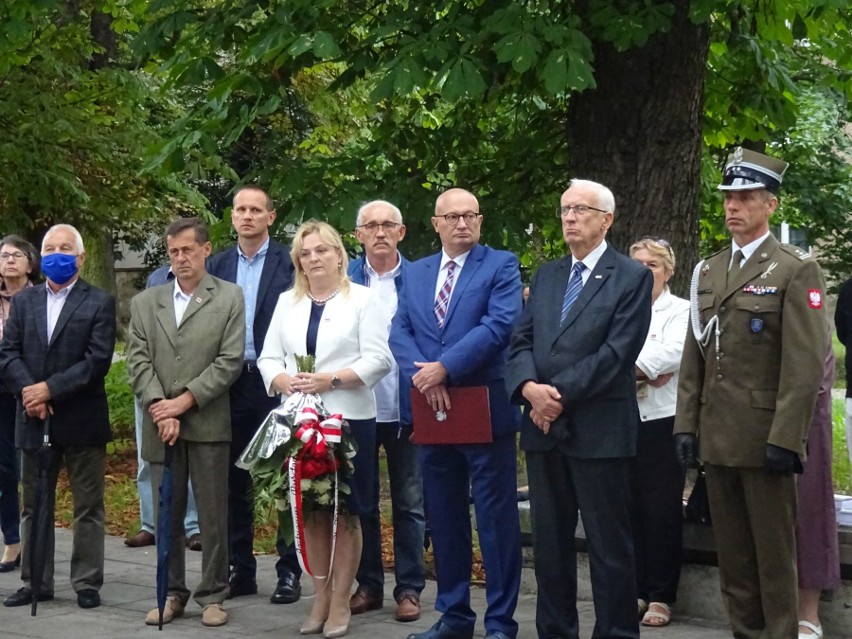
(277, 277)
(472, 343)
(358, 274)
(590, 358)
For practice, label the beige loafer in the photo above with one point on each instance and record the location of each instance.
(214, 615)
(174, 608)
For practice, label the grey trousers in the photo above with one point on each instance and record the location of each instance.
(206, 464)
(85, 466)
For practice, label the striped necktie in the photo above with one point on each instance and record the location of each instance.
(443, 299)
(572, 291)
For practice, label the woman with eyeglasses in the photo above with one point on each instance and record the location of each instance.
(18, 269)
(337, 322)
(658, 477)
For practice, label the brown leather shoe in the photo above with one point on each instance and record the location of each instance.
(407, 607)
(142, 538)
(363, 600)
(194, 542)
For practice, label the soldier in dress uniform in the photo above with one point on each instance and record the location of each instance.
(748, 383)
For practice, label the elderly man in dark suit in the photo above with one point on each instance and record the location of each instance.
(748, 384)
(571, 364)
(56, 350)
(263, 270)
(184, 352)
(452, 329)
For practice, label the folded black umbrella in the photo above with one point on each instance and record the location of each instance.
(164, 532)
(42, 516)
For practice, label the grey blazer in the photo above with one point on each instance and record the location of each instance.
(203, 355)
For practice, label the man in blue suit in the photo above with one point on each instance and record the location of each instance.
(263, 269)
(571, 364)
(452, 329)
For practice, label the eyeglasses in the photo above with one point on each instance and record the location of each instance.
(17, 255)
(664, 243)
(452, 219)
(373, 227)
(579, 209)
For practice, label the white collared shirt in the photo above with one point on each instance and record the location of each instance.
(387, 390)
(748, 250)
(442, 272)
(181, 301)
(55, 303)
(590, 261)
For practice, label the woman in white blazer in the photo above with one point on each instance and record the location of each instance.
(338, 322)
(658, 478)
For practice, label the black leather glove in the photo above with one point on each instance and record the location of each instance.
(779, 461)
(686, 449)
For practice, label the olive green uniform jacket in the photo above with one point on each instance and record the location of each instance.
(762, 384)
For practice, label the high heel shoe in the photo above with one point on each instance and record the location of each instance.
(331, 632)
(312, 626)
(9, 566)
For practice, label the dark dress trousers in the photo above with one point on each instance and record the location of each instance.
(472, 347)
(583, 463)
(250, 404)
(74, 364)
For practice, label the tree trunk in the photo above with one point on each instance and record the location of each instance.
(639, 133)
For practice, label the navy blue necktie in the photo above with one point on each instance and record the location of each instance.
(572, 291)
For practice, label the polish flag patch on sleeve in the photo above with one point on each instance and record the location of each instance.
(814, 298)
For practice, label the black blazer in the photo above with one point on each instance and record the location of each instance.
(590, 359)
(74, 363)
(277, 277)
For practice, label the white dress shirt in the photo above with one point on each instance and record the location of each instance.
(181, 300)
(442, 273)
(387, 390)
(55, 304)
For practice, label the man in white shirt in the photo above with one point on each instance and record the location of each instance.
(379, 228)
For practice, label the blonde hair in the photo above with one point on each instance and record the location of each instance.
(659, 248)
(329, 236)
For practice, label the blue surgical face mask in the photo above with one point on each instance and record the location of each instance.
(59, 267)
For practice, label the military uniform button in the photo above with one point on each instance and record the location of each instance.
(719, 377)
(722, 309)
(757, 307)
(553, 353)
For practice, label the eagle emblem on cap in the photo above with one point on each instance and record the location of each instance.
(737, 156)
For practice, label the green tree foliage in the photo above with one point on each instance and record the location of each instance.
(506, 98)
(75, 124)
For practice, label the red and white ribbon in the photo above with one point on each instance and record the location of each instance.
(316, 436)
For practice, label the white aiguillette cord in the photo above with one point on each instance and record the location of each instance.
(702, 334)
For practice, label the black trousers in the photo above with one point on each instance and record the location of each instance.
(657, 512)
(249, 407)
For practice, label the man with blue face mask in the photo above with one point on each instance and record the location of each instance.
(56, 351)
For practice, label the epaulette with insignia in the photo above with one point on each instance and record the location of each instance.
(795, 251)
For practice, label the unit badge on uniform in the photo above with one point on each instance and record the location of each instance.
(756, 324)
(705, 269)
(814, 298)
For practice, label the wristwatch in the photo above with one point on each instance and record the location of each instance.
(335, 382)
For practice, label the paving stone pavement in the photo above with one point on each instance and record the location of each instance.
(129, 592)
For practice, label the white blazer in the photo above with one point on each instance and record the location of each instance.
(661, 354)
(353, 333)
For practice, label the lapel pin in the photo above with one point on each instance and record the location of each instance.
(705, 269)
(198, 300)
(598, 277)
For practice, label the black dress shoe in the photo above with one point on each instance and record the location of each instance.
(88, 598)
(241, 586)
(441, 631)
(288, 590)
(24, 597)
